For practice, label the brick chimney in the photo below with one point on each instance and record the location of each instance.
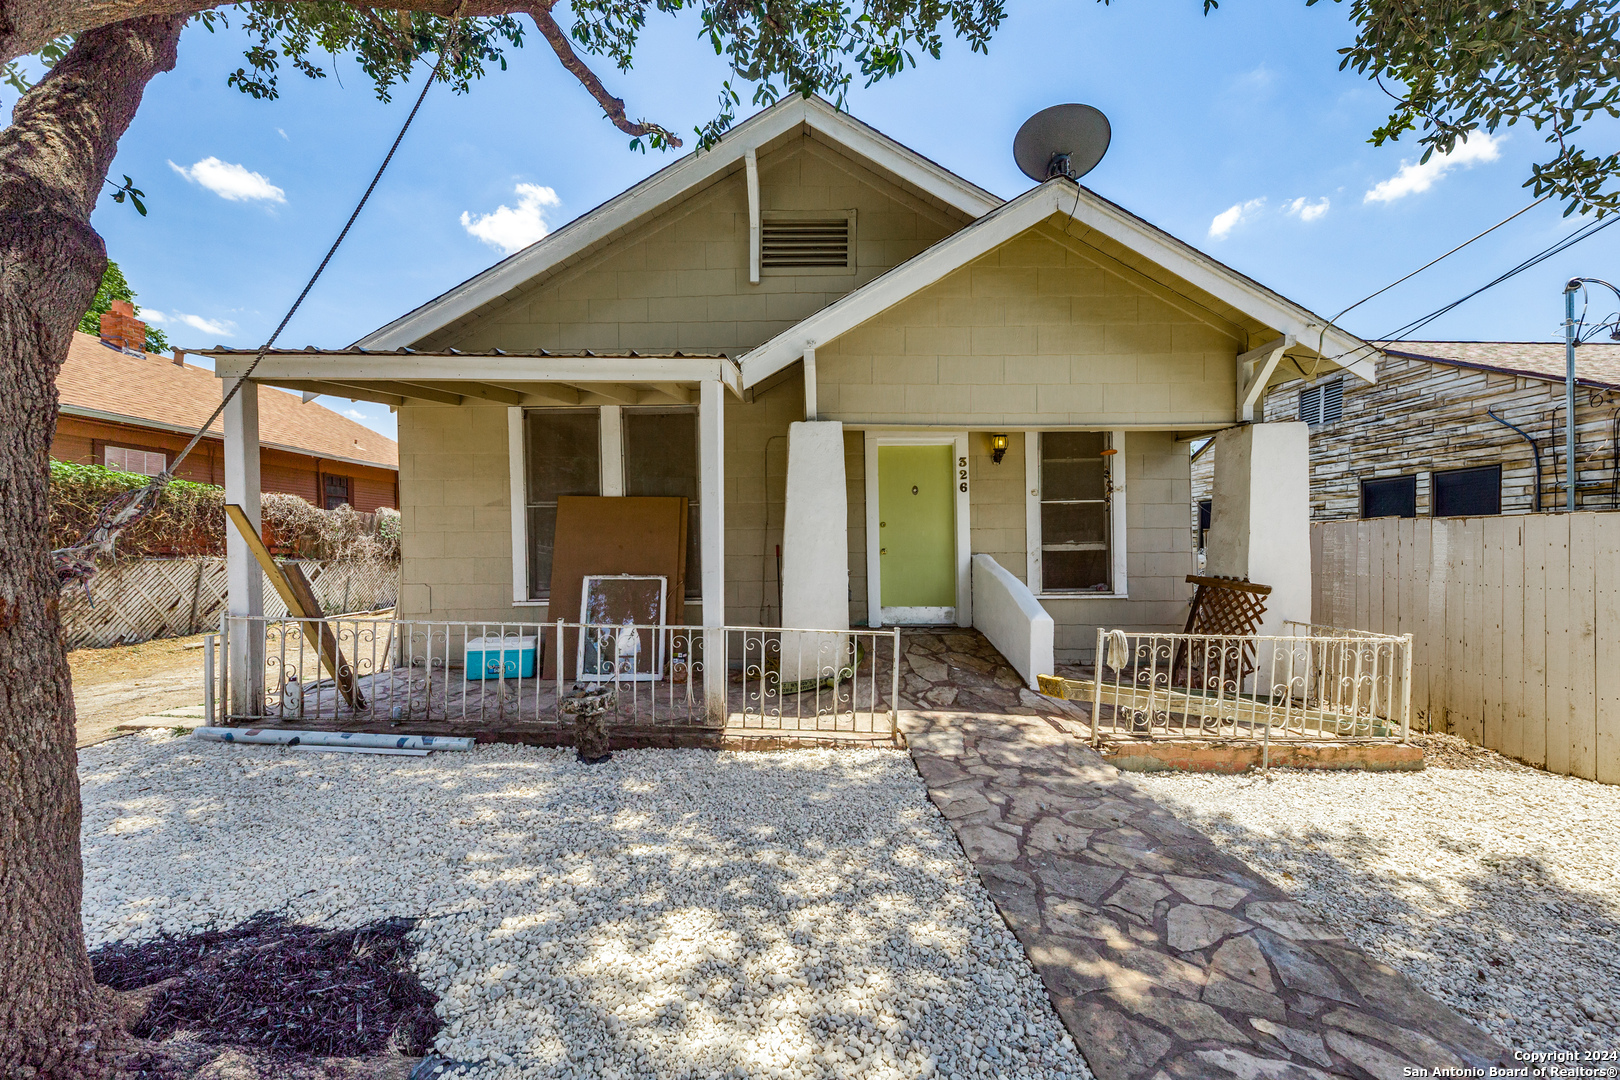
(122, 330)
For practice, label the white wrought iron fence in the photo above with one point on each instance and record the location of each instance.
(382, 670)
(1312, 683)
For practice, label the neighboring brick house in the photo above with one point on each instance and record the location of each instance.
(129, 409)
(1422, 441)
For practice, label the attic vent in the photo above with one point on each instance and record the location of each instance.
(1322, 403)
(821, 243)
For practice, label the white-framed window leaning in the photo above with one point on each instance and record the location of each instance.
(1075, 513)
(611, 450)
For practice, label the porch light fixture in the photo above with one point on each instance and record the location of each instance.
(998, 447)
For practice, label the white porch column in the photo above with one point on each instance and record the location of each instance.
(712, 522)
(815, 553)
(244, 579)
(1261, 523)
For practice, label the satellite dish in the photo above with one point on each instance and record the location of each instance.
(1064, 140)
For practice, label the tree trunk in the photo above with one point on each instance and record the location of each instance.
(53, 162)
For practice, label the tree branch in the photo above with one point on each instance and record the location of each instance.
(613, 107)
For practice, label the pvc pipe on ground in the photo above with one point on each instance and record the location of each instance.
(392, 751)
(286, 737)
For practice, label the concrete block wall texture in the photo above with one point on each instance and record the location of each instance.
(679, 280)
(1044, 330)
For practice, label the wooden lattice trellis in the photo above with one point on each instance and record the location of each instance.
(1225, 606)
(142, 599)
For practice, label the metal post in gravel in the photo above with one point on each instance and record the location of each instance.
(1096, 693)
(1406, 691)
(894, 688)
(560, 690)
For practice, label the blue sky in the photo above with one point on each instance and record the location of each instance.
(1236, 132)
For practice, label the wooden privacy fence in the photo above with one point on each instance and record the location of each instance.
(1515, 624)
(141, 599)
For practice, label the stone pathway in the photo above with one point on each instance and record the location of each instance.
(1167, 959)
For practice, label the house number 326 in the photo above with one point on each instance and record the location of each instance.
(961, 473)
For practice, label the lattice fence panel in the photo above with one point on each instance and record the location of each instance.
(143, 599)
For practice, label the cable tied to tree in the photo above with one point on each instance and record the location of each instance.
(78, 563)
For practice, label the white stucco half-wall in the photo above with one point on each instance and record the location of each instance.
(1260, 527)
(1006, 612)
(815, 551)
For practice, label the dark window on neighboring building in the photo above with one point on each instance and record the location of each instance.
(1322, 403)
(1206, 512)
(1468, 492)
(562, 452)
(1394, 496)
(661, 459)
(335, 492)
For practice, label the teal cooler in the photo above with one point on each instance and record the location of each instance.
(498, 657)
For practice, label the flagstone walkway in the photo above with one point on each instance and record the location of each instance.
(1166, 958)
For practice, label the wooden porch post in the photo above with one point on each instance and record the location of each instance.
(712, 515)
(244, 581)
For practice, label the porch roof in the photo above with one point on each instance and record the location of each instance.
(540, 377)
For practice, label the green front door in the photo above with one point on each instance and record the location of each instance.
(917, 529)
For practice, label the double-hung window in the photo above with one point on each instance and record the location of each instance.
(562, 455)
(1076, 548)
(634, 451)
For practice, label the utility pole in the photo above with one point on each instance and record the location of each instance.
(1570, 289)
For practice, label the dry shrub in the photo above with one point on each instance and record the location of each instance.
(189, 519)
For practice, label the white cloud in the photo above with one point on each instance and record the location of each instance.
(229, 181)
(354, 414)
(510, 228)
(217, 327)
(1232, 217)
(1306, 210)
(1414, 177)
(282, 132)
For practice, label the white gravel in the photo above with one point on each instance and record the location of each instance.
(1496, 891)
(668, 914)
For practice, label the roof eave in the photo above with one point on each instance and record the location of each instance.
(669, 184)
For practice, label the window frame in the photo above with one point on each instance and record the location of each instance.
(100, 452)
(610, 481)
(1118, 529)
(1434, 489)
(694, 540)
(1410, 477)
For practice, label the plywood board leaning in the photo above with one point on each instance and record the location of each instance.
(606, 535)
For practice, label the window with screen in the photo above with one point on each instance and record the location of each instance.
(1322, 403)
(1468, 492)
(1393, 496)
(562, 454)
(122, 458)
(337, 491)
(661, 459)
(1206, 513)
(1074, 512)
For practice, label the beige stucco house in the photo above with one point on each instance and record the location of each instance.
(833, 346)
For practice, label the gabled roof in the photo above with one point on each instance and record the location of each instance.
(99, 382)
(1596, 363)
(1093, 214)
(675, 182)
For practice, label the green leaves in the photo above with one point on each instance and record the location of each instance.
(128, 190)
(1453, 67)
